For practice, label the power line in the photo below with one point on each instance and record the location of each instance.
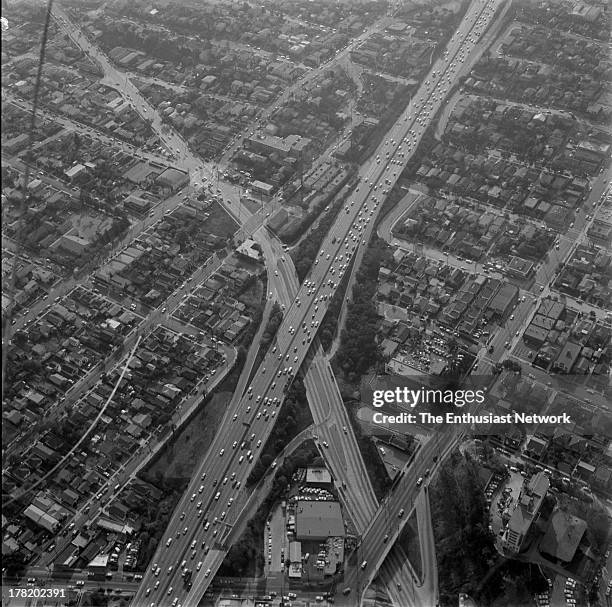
(7, 329)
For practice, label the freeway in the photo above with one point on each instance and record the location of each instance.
(424, 591)
(341, 455)
(329, 414)
(248, 421)
(326, 405)
(390, 519)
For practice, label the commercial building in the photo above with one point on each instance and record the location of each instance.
(504, 301)
(292, 145)
(41, 518)
(137, 204)
(250, 249)
(519, 268)
(173, 179)
(74, 171)
(318, 476)
(74, 244)
(318, 520)
(526, 511)
(262, 188)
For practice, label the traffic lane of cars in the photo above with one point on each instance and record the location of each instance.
(178, 532)
(321, 389)
(316, 302)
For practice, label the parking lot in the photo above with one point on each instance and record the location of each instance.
(563, 593)
(275, 541)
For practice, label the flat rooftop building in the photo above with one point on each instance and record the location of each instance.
(526, 511)
(318, 475)
(318, 520)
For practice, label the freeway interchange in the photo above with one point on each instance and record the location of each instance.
(197, 535)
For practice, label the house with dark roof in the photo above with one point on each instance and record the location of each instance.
(567, 357)
(535, 446)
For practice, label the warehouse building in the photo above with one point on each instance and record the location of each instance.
(318, 520)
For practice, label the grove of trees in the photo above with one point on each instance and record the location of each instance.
(245, 557)
(464, 546)
(359, 350)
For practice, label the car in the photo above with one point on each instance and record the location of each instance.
(221, 452)
(400, 513)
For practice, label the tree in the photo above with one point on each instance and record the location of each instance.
(14, 563)
(181, 237)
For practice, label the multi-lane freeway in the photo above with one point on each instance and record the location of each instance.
(391, 517)
(200, 525)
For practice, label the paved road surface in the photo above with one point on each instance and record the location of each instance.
(295, 336)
